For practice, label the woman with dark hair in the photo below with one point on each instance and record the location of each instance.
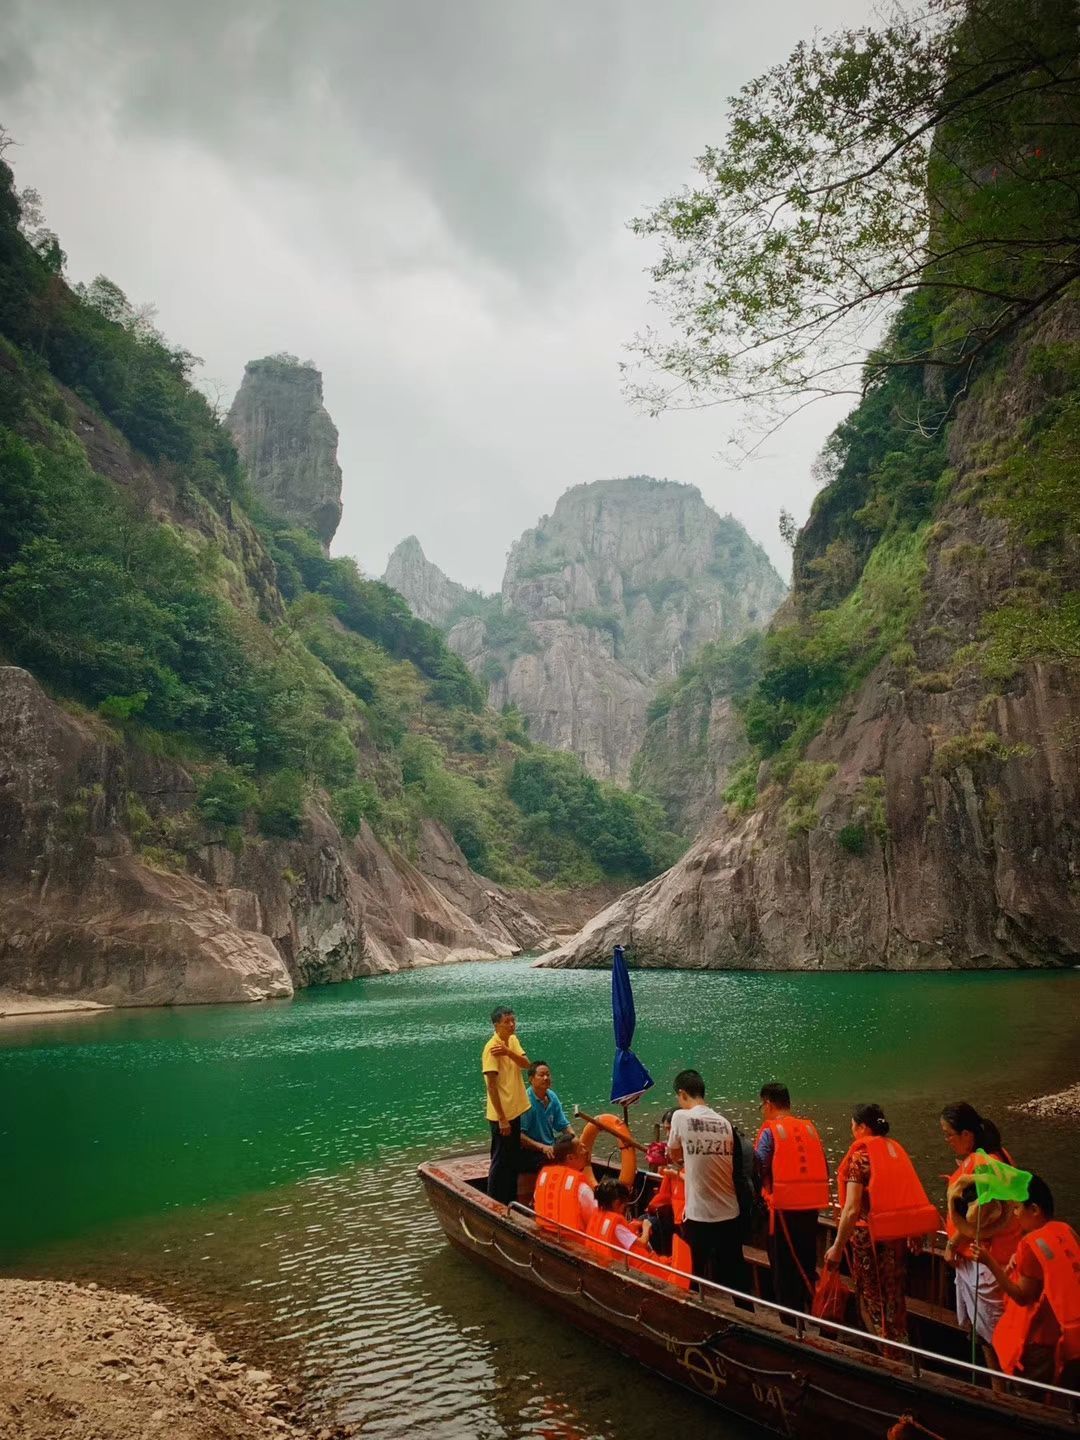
(979, 1298)
(884, 1206)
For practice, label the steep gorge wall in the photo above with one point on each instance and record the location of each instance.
(937, 824)
(601, 602)
(88, 907)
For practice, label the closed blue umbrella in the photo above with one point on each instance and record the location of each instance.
(629, 1078)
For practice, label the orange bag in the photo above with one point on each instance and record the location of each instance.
(830, 1297)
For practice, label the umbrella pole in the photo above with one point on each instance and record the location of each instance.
(975, 1307)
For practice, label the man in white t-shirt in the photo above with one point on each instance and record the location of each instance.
(707, 1145)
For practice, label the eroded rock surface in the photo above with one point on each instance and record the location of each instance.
(946, 825)
(604, 600)
(432, 596)
(84, 913)
(288, 442)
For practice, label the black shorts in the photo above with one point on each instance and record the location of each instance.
(531, 1162)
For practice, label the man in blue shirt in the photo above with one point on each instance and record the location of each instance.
(542, 1124)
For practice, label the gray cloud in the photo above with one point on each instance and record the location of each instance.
(429, 199)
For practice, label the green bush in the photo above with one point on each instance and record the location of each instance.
(353, 804)
(225, 798)
(281, 805)
(852, 838)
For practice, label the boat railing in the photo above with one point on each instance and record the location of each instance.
(800, 1322)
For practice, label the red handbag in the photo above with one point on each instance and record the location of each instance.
(830, 1296)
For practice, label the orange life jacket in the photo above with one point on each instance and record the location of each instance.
(800, 1171)
(899, 1206)
(555, 1198)
(601, 1227)
(671, 1191)
(1002, 1245)
(1057, 1248)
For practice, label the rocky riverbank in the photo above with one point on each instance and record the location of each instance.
(91, 1364)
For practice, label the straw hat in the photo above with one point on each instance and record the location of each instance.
(995, 1215)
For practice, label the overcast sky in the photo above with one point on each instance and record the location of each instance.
(429, 199)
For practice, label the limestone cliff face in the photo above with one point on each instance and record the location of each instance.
(288, 443)
(961, 790)
(649, 560)
(601, 602)
(432, 596)
(84, 911)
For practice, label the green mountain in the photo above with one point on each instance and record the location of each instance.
(234, 763)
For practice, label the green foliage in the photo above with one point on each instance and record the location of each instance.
(808, 780)
(370, 609)
(929, 155)
(353, 804)
(146, 621)
(852, 838)
(123, 707)
(225, 798)
(741, 793)
(281, 806)
(973, 749)
(605, 620)
(808, 666)
(1032, 629)
(623, 834)
(110, 353)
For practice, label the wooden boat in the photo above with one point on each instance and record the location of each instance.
(791, 1375)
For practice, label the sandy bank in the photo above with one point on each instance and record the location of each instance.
(15, 1003)
(89, 1364)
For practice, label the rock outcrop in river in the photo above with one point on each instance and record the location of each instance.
(289, 443)
(601, 602)
(932, 821)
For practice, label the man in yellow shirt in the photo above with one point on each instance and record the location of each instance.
(503, 1064)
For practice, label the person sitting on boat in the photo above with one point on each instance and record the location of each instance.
(709, 1148)
(545, 1120)
(564, 1199)
(884, 1207)
(795, 1183)
(1038, 1335)
(608, 1224)
(980, 1301)
(502, 1062)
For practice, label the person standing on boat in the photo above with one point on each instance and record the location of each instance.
(795, 1182)
(980, 1300)
(709, 1148)
(1038, 1335)
(502, 1064)
(884, 1207)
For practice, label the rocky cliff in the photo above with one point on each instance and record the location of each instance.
(931, 820)
(432, 596)
(113, 888)
(601, 602)
(288, 443)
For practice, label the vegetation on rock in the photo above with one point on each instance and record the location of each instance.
(164, 597)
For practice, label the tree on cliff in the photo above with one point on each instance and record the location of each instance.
(936, 153)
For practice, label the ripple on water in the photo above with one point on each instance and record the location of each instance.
(262, 1168)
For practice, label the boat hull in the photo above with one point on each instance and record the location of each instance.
(746, 1361)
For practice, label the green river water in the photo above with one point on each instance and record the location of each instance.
(254, 1165)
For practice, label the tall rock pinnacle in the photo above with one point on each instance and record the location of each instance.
(288, 442)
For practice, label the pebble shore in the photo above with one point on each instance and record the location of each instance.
(83, 1363)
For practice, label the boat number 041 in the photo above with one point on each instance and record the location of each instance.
(709, 1375)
